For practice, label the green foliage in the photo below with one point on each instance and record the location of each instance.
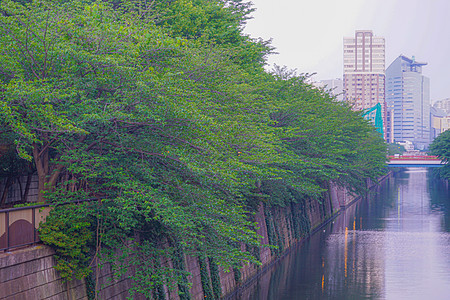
(11, 165)
(178, 262)
(163, 108)
(151, 273)
(272, 232)
(204, 278)
(441, 147)
(300, 221)
(90, 287)
(69, 232)
(395, 149)
(215, 279)
(237, 275)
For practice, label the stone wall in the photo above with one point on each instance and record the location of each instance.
(316, 213)
(29, 273)
(112, 287)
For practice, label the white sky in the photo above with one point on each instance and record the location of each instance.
(308, 34)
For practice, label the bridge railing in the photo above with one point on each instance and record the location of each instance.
(19, 226)
(416, 157)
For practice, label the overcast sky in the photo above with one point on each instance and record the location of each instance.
(308, 34)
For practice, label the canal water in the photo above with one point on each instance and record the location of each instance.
(394, 245)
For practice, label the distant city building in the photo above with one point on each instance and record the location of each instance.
(364, 70)
(408, 102)
(443, 104)
(407, 145)
(440, 121)
(334, 86)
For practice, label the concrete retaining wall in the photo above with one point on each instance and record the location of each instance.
(29, 273)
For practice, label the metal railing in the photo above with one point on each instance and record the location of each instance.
(415, 157)
(19, 226)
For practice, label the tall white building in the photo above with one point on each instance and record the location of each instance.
(408, 101)
(364, 70)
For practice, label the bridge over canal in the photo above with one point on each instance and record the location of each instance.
(415, 161)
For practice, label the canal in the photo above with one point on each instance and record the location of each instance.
(393, 245)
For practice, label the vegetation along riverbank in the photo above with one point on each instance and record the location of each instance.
(164, 112)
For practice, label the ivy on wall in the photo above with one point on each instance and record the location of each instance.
(90, 287)
(300, 220)
(215, 278)
(237, 275)
(178, 263)
(271, 233)
(204, 277)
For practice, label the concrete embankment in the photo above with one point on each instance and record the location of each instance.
(29, 274)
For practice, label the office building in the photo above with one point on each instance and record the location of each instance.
(408, 102)
(364, 71)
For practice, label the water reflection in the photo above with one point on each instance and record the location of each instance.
(394, 246)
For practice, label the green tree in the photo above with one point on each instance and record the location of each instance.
(108, 105)
(324, 139)
(441, 147)
(164, 113)
(395, 149)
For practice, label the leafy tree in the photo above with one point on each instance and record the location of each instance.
(395, 149)
(177, 130)
(325, 140)
(441, 147)
(108, 105)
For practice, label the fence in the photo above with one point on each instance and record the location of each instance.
(416, 157)
(18, 189)
(19, 226)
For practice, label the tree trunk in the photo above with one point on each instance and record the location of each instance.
(5, 191)
(47, 178)
(27, 187)
(42, 169)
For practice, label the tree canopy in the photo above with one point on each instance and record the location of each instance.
(162, 110)
(441, 147)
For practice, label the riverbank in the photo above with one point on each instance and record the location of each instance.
(285, 227)
(339, 201)
(394, 244)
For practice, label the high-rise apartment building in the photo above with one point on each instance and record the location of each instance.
(364, 70)
(408, 102)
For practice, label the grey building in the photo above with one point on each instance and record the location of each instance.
(443, 104)
(408, 102)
